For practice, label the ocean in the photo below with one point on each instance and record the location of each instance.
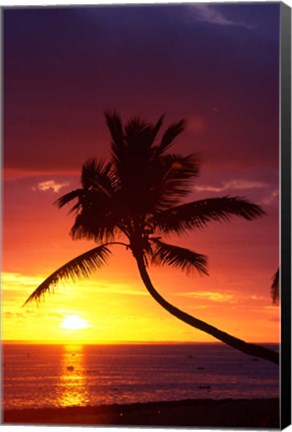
(42, 376)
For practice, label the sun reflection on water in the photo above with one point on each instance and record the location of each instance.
(73, 380)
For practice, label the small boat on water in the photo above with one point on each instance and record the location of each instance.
(70, 368)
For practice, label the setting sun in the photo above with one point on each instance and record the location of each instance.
(74, 322)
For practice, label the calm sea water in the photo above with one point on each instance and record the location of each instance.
(37, 376)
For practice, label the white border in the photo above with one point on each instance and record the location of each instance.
(21, 3)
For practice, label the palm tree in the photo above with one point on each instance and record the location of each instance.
(275, 288)
(139, 196)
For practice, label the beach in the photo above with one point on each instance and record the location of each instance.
(241, 413)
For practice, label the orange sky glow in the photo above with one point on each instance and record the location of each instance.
(55, 96)
(117, 307)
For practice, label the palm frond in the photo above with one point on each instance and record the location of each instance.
(98, 186)
(179, 171)
(156, 128)
(170, 179)
(275, 288)
(97, 174)
(177, 256)
(139, 140)
(169, 136)
(68, 197)
(82, 266)
(96, 224)
(181, 167)
(115, 126)
(198, 214)
(135, 126)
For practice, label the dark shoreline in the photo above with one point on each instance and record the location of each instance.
(241, 413)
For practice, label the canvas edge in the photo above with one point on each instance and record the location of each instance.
(285, 216)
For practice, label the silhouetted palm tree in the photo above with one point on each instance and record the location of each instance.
(275, 288)
(139, 196)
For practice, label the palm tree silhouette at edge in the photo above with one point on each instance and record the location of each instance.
(275, 288)
(138, 195)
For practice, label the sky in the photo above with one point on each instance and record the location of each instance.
(217, 66)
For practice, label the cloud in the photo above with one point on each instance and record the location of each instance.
(8, 315)
(15, 279)
(17, 287)
(13, 315)
(209, 295)
(211, 15)
(108, 287)
(271, 198)
(257, 297)
(231, 184)
(50, 185)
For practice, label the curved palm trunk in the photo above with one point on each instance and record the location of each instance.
(247, 348)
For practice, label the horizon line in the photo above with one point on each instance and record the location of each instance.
(78, 342)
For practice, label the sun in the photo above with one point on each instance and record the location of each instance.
(74, 322)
